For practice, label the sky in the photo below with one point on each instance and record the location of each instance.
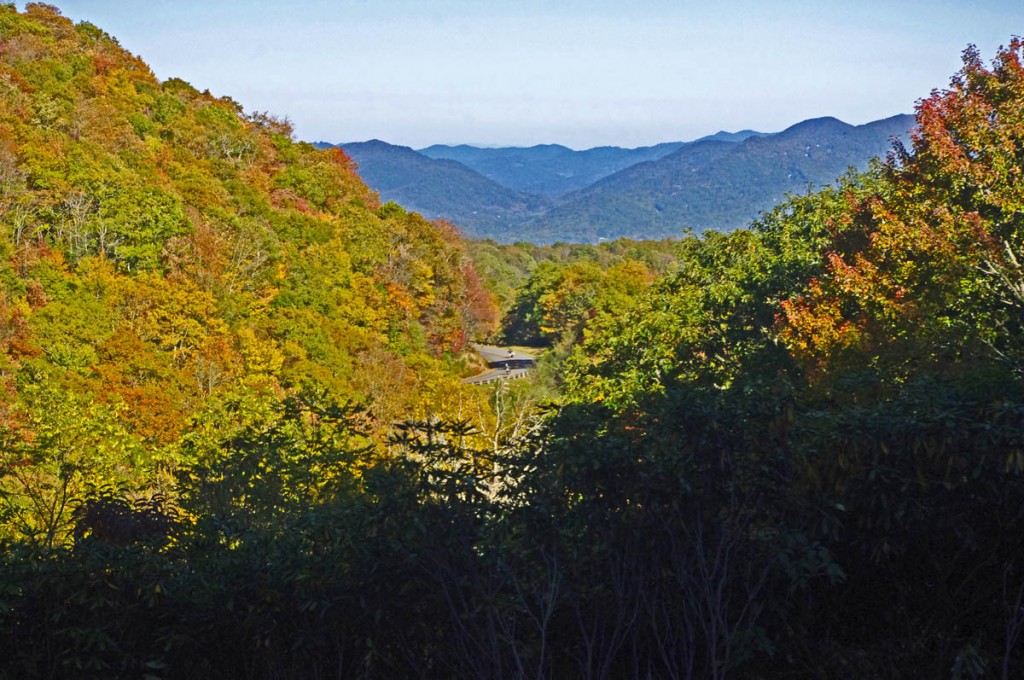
(582, 73)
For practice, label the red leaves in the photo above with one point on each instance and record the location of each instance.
(286, 198)
(103, 63)
(905, 258)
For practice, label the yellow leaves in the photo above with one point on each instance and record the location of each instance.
(259, 356)
(98, 276)
(172, 249)
(439, 394)
(175, 316)
(62, 445)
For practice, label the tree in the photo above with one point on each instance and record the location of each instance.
(57, 446)
(913, 271)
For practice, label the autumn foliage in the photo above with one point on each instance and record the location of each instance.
(913, 268)
(233, 442)
(165, 253)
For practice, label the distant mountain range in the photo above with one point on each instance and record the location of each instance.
(554, 170)
(550, 193)
(441, 188)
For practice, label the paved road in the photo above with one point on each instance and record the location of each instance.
(503, 364)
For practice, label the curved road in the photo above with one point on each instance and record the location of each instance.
(503, 364)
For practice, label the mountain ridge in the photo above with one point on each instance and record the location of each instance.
(716, 185)
(720, 181)
(548, 169)
(441, 188)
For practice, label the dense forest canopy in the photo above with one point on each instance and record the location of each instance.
(235, 443)
(170, 261)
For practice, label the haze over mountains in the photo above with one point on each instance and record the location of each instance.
(439, 188)
(554, 170)
(550, 193)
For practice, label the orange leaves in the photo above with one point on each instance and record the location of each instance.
(479, 308)
(905, 276)
(34, 294)
(103, 63)
(970, 138)
(400, 297)
(15, 336)
(867, 282)
(815, 328)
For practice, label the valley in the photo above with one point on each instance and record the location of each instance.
(702, 410)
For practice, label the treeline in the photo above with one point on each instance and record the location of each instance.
(796, 453)
(547, 293)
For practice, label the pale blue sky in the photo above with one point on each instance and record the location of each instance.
(576, 72)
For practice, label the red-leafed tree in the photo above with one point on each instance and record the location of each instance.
(927, 270)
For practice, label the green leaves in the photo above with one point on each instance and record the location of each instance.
(56, 445)
(299, 453)
(133, 226)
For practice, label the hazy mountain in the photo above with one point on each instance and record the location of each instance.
(548, 169)
(714, 184)
(723, 136)
(443, 189)
(721, 181)
(554, 170)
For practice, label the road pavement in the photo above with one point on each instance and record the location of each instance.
(504, 363)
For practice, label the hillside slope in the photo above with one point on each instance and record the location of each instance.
(167, 256)
(439, 188)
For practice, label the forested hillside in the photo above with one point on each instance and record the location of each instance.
(507, 270)
(173, 267)
(233, 445)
